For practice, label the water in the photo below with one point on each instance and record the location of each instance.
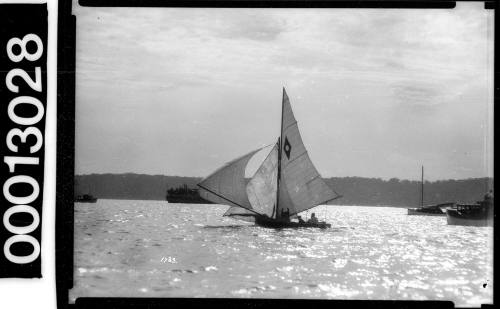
(154, 249)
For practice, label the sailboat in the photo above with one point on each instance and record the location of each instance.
(285, 184)
(428, 210)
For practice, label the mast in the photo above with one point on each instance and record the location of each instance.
(422, 189)
(279, 156)
(275, 210)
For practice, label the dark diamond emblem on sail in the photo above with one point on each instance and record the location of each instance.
(287, 148)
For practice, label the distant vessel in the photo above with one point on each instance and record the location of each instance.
(479, 214)
(85, 198)
(285, 184)
(429, 210)
(184, 194)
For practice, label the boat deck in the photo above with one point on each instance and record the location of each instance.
(272, 223)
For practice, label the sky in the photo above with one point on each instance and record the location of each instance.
(376, 93)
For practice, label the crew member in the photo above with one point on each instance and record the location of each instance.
(285, 215)
(313, 219)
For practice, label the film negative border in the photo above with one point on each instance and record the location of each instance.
(65, 151)
(438, 4)
(65, 155)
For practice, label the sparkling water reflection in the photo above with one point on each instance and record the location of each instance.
(154, 249)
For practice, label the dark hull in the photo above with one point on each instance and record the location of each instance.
(455, 217)
(186, 199)
(430, 210)
(425, 212)
(276, 224)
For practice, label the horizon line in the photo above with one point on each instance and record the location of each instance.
(388, 179)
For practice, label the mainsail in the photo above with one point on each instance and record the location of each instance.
(301, 186)
(227, 185)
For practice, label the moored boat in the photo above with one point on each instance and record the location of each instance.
(285, 184)
(479, 214)
(426, 211)
(429, 210)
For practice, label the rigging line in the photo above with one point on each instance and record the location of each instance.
(334, 191)
(295, 122)
(300, 155)
(317, 176)
(329, 187)
(221, 196)
(242, 215)
(332, 199)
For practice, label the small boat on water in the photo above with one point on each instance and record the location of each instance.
(85, 198)
(272, 223)
(479, 214)
(285, 184)
(428, 210)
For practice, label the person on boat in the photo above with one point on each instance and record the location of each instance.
(313, 219)
(285, 215)
(300, 219)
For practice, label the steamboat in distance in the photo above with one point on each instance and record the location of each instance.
(184, 194)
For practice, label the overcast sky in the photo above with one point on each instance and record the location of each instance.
(376, 93)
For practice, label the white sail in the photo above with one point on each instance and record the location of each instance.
(262, 188)
(301, 186)
(227, 185)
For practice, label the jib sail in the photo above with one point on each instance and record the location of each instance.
(227, 185)
(262, 188)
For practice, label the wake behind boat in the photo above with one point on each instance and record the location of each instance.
(285, 184)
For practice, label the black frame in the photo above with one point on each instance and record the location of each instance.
(66, 146)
